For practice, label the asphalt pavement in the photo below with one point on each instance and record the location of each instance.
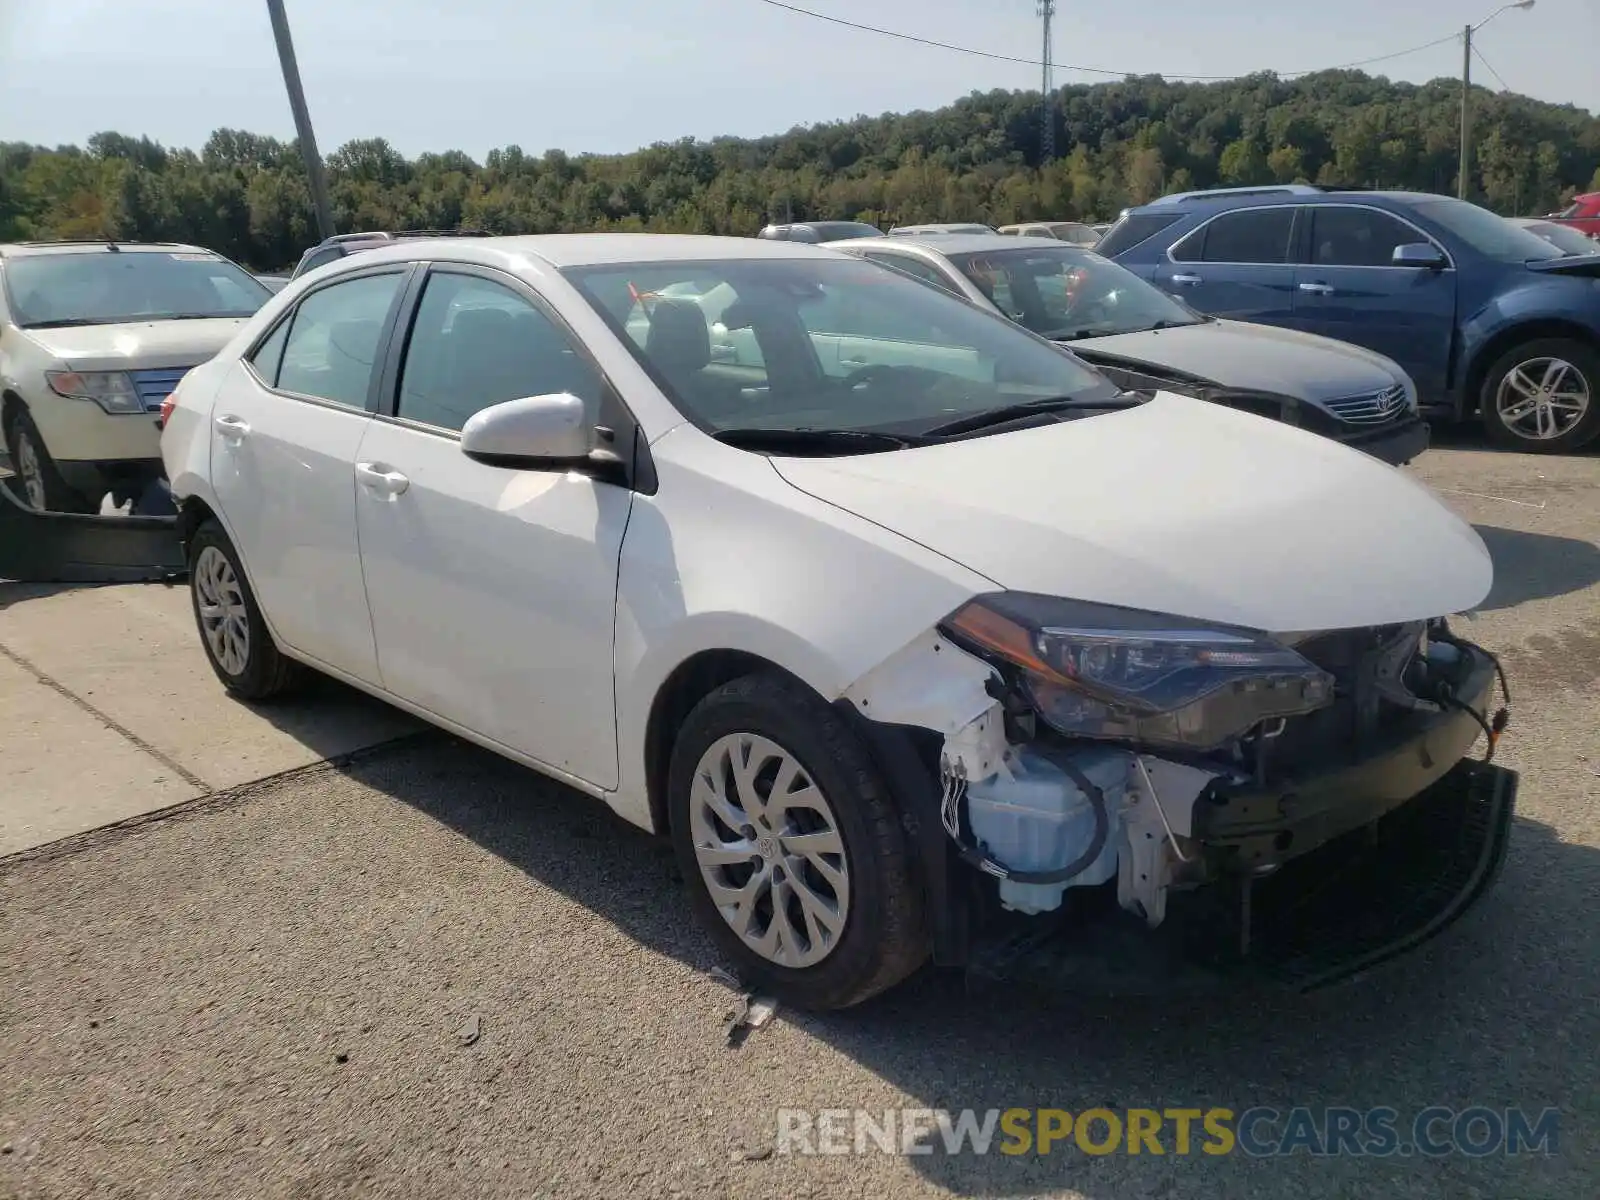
(418, 970)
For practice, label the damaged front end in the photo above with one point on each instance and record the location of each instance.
(1119, 801)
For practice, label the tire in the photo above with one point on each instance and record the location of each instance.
(34, 477)
(881, 938)
(1529, 363)
(254, 670)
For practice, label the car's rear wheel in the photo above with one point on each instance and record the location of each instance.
(791, 846)
(36, 480)
(1543, 396)
(237, 642)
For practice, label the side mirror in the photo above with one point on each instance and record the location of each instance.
(1424, 255)
(536, 430)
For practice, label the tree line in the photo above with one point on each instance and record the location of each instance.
(978, 159)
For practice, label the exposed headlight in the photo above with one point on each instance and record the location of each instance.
(1095, 670)
(111, 390)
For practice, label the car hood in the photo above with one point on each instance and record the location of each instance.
(1258, 357)
(1176, 506)
(130, 346)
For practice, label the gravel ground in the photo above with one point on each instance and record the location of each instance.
(272, 992)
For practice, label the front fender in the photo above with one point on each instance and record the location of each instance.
(1544, 306)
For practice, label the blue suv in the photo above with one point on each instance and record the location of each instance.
(1487, 318)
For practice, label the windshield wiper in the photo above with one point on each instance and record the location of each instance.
(69, 322)
(816, 441)
(1028, 408)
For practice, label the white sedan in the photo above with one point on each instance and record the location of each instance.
(903, 622)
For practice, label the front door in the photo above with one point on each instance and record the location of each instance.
(492, 589)
(1237, 265)
(285, 429)
(1349, 288)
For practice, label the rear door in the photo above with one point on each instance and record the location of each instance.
(286, 426)
(1238, 265)
(1348, 288)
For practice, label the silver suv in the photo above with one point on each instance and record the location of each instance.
(93, 337)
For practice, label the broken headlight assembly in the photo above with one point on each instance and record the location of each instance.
(1117, 674)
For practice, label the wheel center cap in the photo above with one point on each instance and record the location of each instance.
(768, 846)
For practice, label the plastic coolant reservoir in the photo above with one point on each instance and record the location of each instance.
(1038, 819)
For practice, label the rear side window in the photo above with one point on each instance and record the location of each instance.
(1250, 235)
(333, 343)
(1356, 237)
(1133, 230)
(915, 268)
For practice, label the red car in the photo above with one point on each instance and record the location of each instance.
(1583, 214)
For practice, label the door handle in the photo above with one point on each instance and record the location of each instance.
(1317, 289)
(1187, 280)
(381, 480)
(231, 428)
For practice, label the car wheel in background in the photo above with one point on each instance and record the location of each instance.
(237, 643)
(1543, 396)
(34, 477)
(791, 847)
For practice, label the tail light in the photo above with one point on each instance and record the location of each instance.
(166, 409)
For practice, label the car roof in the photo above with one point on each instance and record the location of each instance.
(1220, 199)
(964, 243)
(99, 246)
(562, 250)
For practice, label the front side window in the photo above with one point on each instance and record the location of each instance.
(844, 345)
(1357, 237)
(334, 338)
(476, 343)
(113, 287)
(1065, 293)
(1250, 235)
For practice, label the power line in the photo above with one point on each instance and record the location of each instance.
(1504, 86)
(1034, 62)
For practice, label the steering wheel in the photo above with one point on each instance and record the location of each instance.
(868, 374)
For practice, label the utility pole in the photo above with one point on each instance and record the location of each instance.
(302, 119)
(1466, 111)
(1047, 123)
(1466, 89)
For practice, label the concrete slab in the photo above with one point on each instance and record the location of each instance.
(131, 653)
(66, 771)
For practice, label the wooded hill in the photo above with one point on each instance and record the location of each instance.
(977, 159)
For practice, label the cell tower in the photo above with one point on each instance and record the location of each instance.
(1047, 125)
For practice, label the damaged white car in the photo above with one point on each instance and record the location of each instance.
(918, 636)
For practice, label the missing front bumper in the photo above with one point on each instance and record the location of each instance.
(1364, 898)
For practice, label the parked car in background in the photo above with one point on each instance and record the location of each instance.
(93, 337)
(918, 230)
(1487, 318)
(341, 245)
(817, 232)
(903, 629)
(1146, 340)
(1075, 232)
(273, 283)
(1563, 237)
(1583, 214)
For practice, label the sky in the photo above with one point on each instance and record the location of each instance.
(609, 77)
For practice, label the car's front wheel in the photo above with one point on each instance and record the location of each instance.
(792, 847)
(37, 481)
(237, 642)
(1543, 396)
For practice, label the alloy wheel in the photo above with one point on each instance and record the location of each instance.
(224, 620)
(769, 850)
(31, 471)
(1542, 398)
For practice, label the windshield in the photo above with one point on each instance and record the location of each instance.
(1490, 234)
(1564, 238)
(1060, 292)
(105, 287)
(812, 344)
(839, 231)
